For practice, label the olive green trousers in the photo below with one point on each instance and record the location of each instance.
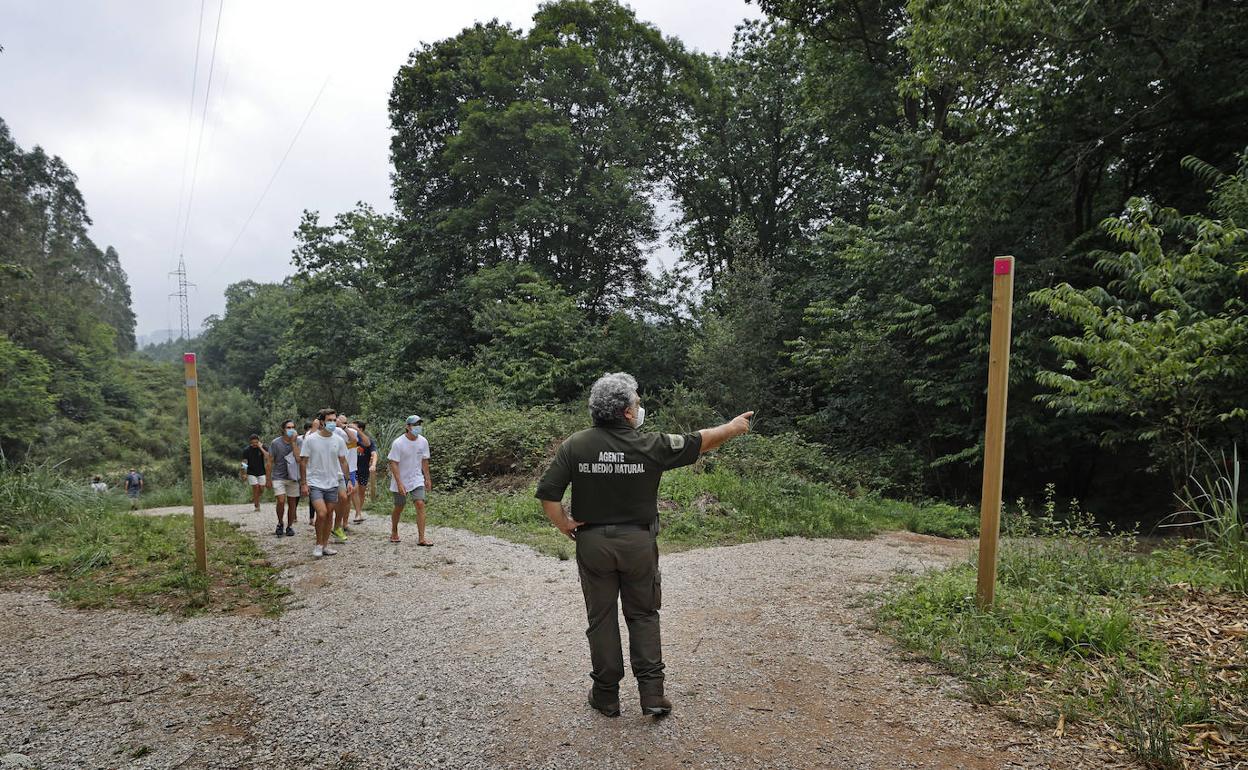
(622, 561)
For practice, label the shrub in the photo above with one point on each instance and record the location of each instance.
(31, 494)
(480, 442)
(786, 454)
(942, 520)
(679, 410)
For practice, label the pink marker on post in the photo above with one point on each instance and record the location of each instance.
(1001, 265)
(188, 358)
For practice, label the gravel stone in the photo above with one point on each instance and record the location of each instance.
(472, 654)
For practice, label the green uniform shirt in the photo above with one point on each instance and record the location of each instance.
(614, 471)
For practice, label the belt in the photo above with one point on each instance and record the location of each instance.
(629, 525)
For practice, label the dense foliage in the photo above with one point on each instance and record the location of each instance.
(836, 186)
(67, 318)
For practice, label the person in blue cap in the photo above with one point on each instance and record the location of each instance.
(409, 476)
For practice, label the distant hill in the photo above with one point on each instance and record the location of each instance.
(161, 335)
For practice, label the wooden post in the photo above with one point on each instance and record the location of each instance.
(994, 429)
(197, 463)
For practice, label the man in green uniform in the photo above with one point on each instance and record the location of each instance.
(614, 471)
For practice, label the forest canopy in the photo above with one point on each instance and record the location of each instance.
(835, 187)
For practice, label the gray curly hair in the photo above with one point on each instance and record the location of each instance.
(611, 395)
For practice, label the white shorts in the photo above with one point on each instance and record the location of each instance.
(285, 488)
(257, 481)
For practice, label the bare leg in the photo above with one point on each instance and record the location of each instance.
(323, 523)
(343, 509)
(256, 489)
(281, 507)
(358, 500)
(292, 511)
(420, 521)
(394, 520)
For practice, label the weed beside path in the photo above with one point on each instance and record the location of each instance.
(88, 551)
(699, 509)
(1136, 651)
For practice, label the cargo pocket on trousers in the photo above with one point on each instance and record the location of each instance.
(658, 579)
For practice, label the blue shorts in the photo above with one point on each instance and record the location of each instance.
(328, 495)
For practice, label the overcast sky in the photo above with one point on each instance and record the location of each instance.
(107, 86)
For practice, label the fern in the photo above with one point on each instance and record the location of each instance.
(1205, 172)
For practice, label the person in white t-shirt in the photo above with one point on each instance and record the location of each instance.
(409, 476)
(354, 440)
(341, 509)
(322, 462)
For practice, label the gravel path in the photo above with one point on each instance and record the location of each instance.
(472, 654)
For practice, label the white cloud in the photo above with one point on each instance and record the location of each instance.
(106, 86)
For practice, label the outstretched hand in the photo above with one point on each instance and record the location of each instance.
(741, 423)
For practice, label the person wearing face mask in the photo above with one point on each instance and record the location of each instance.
(346, 493)
(283, 474)
(614, 470)
(307, 431)
(365, 464)
(254, 467)
(409, 476)
(322, 465)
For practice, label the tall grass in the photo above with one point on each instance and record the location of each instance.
(1068, 634)
(39, 493)
(99, 555)
(1212, 504)
(224, 490)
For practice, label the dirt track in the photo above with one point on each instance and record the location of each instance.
(472, 654)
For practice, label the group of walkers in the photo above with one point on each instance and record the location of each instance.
(330, 463)
(132, 483)
(613, 470)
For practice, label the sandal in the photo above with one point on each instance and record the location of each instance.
(395, 539)
(357, 521)
(426, 545)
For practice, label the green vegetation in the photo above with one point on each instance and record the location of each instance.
(841, 177)
(219, 491)
(756, 488)
(1214, 505)
(481, 442)
(1089, 629)
(943, 521)
(90, 552)
(698, 509)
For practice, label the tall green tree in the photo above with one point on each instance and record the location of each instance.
(771, 141)
(243, 343)
(1019, 126)
(536, 352)
(1163, 346)
(67, 301)
(25, 379)
(542, 148)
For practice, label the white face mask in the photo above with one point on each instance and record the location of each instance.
(640, 417)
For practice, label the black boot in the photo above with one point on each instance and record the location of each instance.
(655, 705)
(607, 708)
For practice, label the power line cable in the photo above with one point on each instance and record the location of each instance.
(273, 178)
(203, 118)
(190, 120)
